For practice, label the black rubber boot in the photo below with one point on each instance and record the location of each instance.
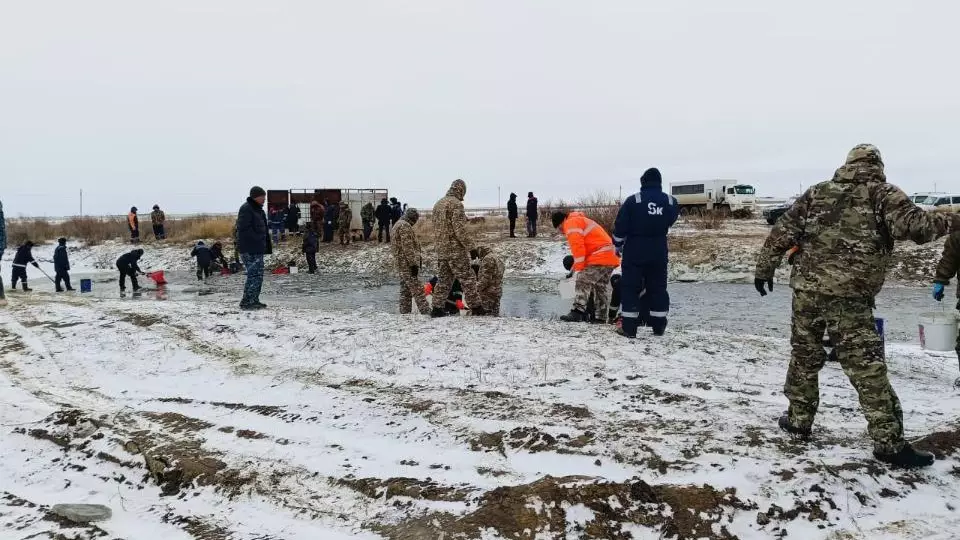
(785, 425)
(573, 316)
(906, 458)
(26, 289)
(437, 313)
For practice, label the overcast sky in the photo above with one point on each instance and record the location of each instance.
(189, 103)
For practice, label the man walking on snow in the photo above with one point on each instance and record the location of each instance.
(455, 248)
(845, 229)
(406, 251)
(640, 234)
(253, 242)
(61, 265)
(533, 213)
(594, 258)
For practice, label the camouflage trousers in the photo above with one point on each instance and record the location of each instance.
(850, 324)
(411, 290)
(344, 232)
(456, 266)
(490, 300)
(594, 282)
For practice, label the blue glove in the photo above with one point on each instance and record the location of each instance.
(938, 291)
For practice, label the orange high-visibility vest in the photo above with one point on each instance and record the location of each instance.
(589, 243)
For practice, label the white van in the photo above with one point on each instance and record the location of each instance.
(943, 202)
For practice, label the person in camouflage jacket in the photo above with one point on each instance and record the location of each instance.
(455, 248)
(367, 216)
(490, 278)
(343, 223)
(406, 251)
(845, 229)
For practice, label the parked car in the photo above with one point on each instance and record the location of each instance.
(943, 203)
(773, 214)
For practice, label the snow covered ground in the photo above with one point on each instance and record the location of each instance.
(198, 421)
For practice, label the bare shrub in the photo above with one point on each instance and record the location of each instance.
(599, 206)
(707, 220)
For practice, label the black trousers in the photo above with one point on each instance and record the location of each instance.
(64, 276)
(158, 231)
(311, 262)
(19, 273)
(383, 227)
(513, 226)
(124, 272)
(204, 271)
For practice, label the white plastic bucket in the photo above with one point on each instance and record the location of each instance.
(294, 270)
(938, 331)
(568, 288)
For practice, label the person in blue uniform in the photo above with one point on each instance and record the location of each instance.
(640, 234)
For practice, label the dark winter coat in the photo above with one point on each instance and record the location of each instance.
(293, 217)
(24, 255)
(253, 238)
(512, 211)
(216, 251)
(311, 242)
(203, 255)
(277, 219)
(332, 213)
(316, 212)
(532, 211)
(128, 261)
(642, 225)
(384, 212)
(61, 263)
(396, 211)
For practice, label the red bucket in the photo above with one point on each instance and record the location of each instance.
(157, 277)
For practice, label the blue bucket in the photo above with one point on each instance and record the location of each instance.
(86, 285)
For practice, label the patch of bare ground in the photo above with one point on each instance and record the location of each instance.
(539, 510)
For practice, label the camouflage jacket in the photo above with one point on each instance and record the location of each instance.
(450, 222)
(406, 246)
(950, 261)
(158, 217)
(345, 217)
(490, 275)
(846, 228)
(367, 213)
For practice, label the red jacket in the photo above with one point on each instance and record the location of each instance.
(589, 243)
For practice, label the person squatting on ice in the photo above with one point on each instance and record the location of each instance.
(61, 266)
(594, 260)
(128, 267)
(311, 243)
(345, 218)
(204, 260)
(490, 281)
(23, 257)
(845, 229)
(253, 242)
(640, 234)
(455, 249)
(406, 251)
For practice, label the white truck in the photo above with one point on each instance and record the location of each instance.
(714, 194)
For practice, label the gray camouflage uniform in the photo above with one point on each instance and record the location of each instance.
(406, 251)
(454, 245)
(846, 229)
(490, 277)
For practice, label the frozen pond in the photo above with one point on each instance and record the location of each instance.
(733, 308)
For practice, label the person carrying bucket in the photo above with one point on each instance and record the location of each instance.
(947, 269)
(846, 229)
